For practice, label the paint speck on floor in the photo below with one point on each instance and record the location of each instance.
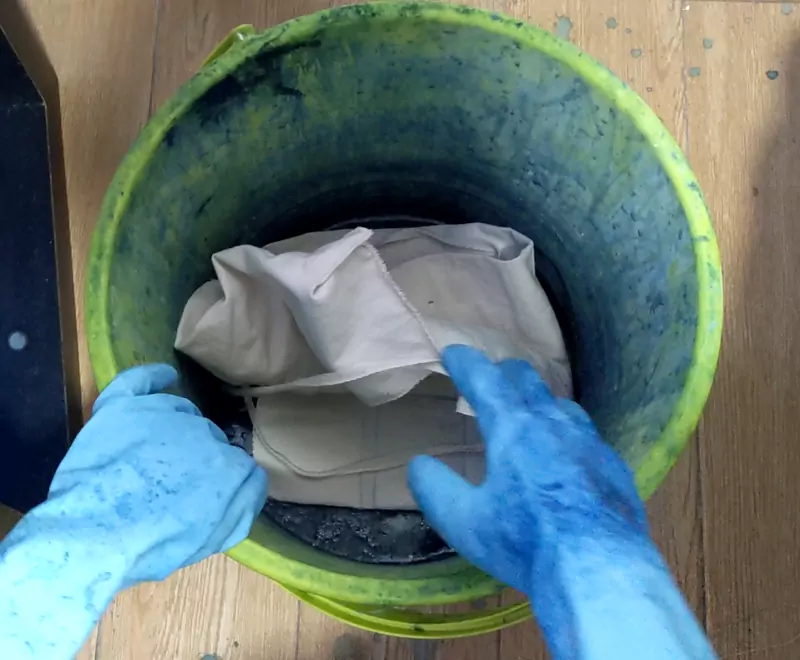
(563, 27)
(787, 8)
(772, 75)
(708, 44)
(611, 23)
(649, 89)
(423, 649)
(628, 30)
(695, 71)
(636, 53)
(348, 647)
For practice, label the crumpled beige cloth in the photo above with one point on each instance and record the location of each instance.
(358, 319)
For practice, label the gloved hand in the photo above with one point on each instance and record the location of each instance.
(148, 486)
(558, 518)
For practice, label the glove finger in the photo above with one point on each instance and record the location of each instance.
(249, 501)
(137, 381)
(167, 403)
(449, 503)
(219, 435)
(530, 385)
(482, 383)
(241, 511)
(538, 397)
(574, 411)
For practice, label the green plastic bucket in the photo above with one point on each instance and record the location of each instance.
(446, 113)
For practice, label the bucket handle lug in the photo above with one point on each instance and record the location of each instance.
(235, 36)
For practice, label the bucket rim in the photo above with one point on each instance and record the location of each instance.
(659, 458)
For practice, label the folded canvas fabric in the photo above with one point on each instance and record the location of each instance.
(358, 319)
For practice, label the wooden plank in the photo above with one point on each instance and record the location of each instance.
(89, 650)
(8, 518)
(744, 141)
(320, 636)
(214, 608)
(776, 2)
(188, 30)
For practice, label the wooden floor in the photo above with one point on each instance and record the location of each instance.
(727, 516)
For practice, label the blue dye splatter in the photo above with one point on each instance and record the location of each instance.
(708, 44)
(563, 27)
(99, 494)
(636, 53)
(695, 71)
(787, 8)
(611, 23)
(772, 75)
(124, 506)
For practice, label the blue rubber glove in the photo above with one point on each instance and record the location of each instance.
(148, 486)
(558, 518)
